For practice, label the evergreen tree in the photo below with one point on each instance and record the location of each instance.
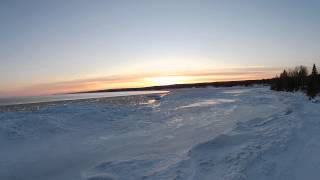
(298, 79)
(314, 71)
(302, 77)
(313, 86)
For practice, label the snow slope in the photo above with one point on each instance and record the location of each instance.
(190, 134)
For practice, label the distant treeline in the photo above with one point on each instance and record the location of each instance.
(194, 85)
(298, 79)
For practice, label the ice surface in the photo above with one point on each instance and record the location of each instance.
(189, 134)
(66, 97)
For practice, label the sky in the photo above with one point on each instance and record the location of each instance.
(74, 45)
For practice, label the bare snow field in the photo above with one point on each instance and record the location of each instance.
(189, 134)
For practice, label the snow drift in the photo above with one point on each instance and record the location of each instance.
(190, 134)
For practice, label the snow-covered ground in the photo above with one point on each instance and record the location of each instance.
(190, 134)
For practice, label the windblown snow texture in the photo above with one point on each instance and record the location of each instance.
(190, 134)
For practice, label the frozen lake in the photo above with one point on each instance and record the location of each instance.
(67, 97)
(195, 134)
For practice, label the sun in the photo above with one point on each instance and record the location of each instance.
(167, 80)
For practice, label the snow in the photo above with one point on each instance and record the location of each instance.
(207, 102)
(189, 134)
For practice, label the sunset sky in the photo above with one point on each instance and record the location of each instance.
(64, 45)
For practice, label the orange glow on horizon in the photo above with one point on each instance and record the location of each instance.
(167, 80)
(142, 80)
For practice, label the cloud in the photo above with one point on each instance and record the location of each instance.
(140, 80)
